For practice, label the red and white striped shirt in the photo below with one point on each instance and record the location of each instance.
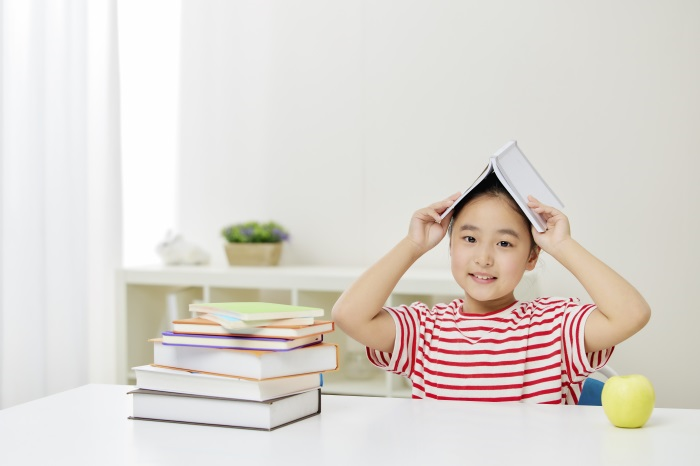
(530, 351)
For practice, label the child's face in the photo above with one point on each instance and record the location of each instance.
(490, 249)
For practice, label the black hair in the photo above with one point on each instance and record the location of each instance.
(491, 187)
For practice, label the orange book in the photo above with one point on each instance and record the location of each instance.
(199, 325)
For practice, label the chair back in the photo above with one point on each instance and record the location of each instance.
(593, 387)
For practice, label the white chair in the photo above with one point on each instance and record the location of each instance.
(607, 371)
(593, 386)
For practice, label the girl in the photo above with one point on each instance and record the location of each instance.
(489, 346)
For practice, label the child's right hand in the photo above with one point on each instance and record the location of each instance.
(558, 229)
(426, 229)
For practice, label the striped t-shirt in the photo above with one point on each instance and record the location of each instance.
(530, 351)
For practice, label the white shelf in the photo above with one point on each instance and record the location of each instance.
(151, 297)
(316, 278)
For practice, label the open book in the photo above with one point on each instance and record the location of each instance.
(520, 178)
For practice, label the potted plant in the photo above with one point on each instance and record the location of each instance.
(254, 243)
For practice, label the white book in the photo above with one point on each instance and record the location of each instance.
(150, 405)
(520, 179)
(198, 383)
(251, 364)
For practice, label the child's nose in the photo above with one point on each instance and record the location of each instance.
(484, 256)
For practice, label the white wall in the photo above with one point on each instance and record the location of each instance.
(149, 32)
(339, 119)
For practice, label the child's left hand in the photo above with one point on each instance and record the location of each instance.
(558, 229)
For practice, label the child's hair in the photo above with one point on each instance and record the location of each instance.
(491, 187)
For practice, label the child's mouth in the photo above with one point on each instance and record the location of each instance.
(482, 278)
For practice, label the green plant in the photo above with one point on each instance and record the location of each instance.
(255, 232)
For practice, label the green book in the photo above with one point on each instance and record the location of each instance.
(257, 310)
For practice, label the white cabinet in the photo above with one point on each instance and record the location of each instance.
(150, 298)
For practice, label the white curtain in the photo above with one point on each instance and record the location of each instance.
(60, 214)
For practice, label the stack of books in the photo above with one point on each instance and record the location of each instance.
(249, 365)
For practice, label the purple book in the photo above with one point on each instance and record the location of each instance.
(239, 342)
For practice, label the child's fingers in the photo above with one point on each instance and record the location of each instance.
(445, 204)
(435, 210)
(448, 201)
(440, 206)
(540, 208)
(428, 214)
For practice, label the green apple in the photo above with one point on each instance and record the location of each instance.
(628, 400)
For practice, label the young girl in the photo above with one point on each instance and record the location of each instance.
(489, 346)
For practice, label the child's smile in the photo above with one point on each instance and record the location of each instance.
(482, 278)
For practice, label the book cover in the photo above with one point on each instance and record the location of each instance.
(199, 325)
(239, 342)
(520, 178)
(232, 323)
(257, 310)
(250, 364)
(164, 379)
(151, 405)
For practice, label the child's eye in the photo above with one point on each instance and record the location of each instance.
(504, 244)
(470, 239)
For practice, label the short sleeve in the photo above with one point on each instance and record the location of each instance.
(577, 363)
(402, 358)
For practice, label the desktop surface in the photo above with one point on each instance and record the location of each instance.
(89, 425)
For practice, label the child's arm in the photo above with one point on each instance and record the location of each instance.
(621, 310)
(358, 311)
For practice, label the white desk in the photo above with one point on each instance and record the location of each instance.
(89, 426)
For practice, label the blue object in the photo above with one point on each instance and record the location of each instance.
(591, 392)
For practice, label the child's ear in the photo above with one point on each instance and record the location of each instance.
(532, 260)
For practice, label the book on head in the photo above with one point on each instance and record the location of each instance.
(239, 342)
(151, 405)
(166, 379)
(520, 179)
(199, 325)
(251, 364)
(257, 310)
